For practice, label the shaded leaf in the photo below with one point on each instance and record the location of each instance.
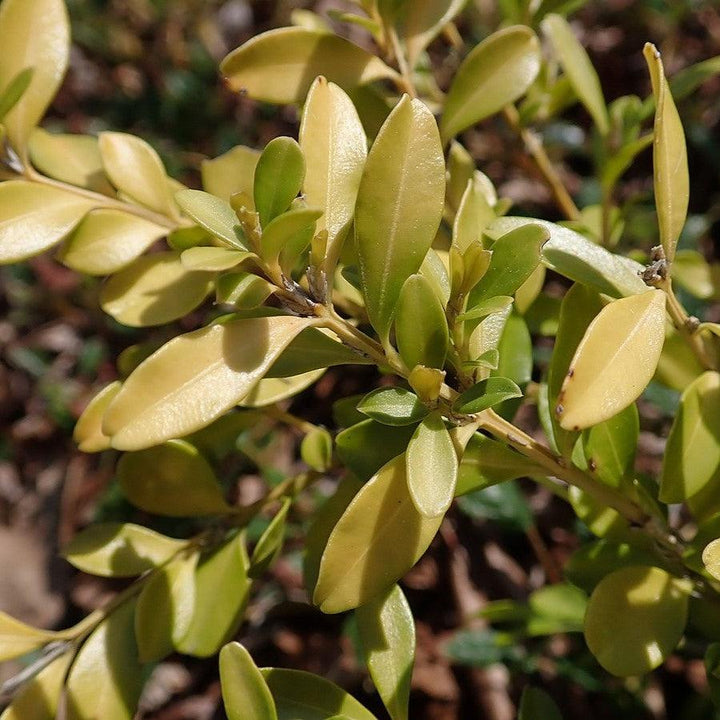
(214, 259)
(230, 173)
(423, 21)
(270, 542)
(17, 638)
(271, 390)
(502, 502)
(485, 394)
(536, 704)
(40, 697)
(88, 432)
(316, 449)
(246, 695)
(474, 214)
(15, 89)
(290, 230)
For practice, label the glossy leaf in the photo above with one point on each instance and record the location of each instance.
(711, 558)
(33, 34)
(214, 215)
(399, 207)
(579, 69)
(136, 170)
(536, 704)
(670, 168)
(14, 90)
(485, 394)
(106, 678)
(302, 694)
(153, 290)
(270, 542)
(491, 305)
(580, 259)
(614, 361)
(421, 329)
(496, 73)
(474, 214)
(635, 618)
(88, 432)
(279, 66)
(108, 240)
(392, 406)
(387, 636)
(17, 638)
(164, 609)
(291, 229)
(279, 175)
(35, 217)
(73, 159)
(39, 698)
(356, 566)
(245, 693)
(230, 173)
(691, 460)
(334, 144)
(171, 479)
(271, 390)
(195, 378)
(432, 467)
(119, 549)
(216, 616)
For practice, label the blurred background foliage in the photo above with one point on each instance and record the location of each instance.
(150, 67)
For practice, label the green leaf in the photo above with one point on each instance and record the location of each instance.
(299, 694)
(485, 394)
(516, 352)
(119, 549)
(536, 704)
(691, 461)
(670, 168)
(279, 175)
(316, 449)
(214, 215)
(635, 618)
(270, 542)
(230, 173)
(393, 406)
(33, 34)
(334, 144)
(356, 565)
(154, 290)
(164, 609)
(580, 259)
(216, 259)
(39, 698)
(432, 467)
(10, 95)
(106, 678)
(578, 68)
(555, 609)
(171, 479)
(387, 636)
(487, 307)
(195, 378)
(108, 240)
(421, 22)
(711, 558)
(503, 503)
(136, 170)
(290, 230)
(216, 616)
(514, 258)
(280, 65)
(421, 329)
(474, 214)
(17, 638)
(35, 217)
(245, 693)
(614, 361)
(497, 72)
(88, 432)
(691, 271)
(399, 207)
(488, 462)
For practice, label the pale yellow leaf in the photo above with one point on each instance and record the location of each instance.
(231, 173)
(88, 432)
(271, 390)
(38, 699)
(17, 638)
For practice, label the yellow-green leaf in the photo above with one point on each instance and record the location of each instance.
(153, 290)
(399, 206)
(73, 159)
(195, 378)
(230, 173)
(106, 678)
(316, 449)
(136, 170)
(578, 68)
(279, 66)
(107, 240)
(691, 460)
(213, 259)
(217, 616)
(432, 467)
(119, 549)
(17, 638)
(496, 73)
(334, 144)
(423, 21)
(14, 90)
(39, 698)
(474, 214)
(275, 389)
(291, 229)
(164, 609)
(356, 565)
(635, 618)
(279, 175)
(270, 542)
(387, 636)
(711, 558)
(35, 217)
(88, 432)
(33, 34)
(245, 693)
(214, 215)
(670, 167)
(614, 361)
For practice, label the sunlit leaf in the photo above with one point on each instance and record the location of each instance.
(316, 449)
(392, 406)
(711, 558)
(214, 259)
(485, 394)
(279, 66)
(271, 390)
(88, 432)
(245, 693)
(399, 207)
(474, 214)
(214, 215)
(496, 73)
(279, 175)
(293, 228)
(17, 638)
(14, 90)
(230, 173)
(39, 698)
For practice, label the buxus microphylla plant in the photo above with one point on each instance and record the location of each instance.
(319, 253)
